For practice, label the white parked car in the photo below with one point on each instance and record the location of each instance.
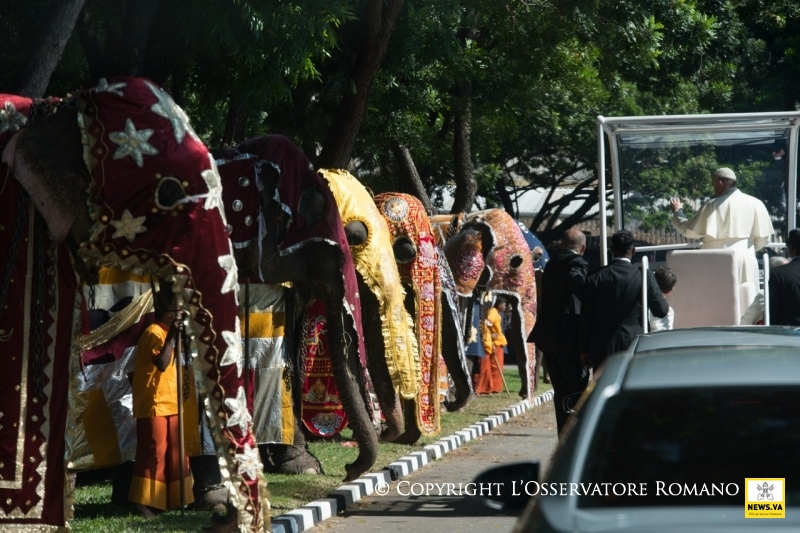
(690, 430)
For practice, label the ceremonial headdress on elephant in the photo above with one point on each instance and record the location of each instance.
(156, 204)
(241, 197)
(538, 251)
(463, 250)
(296, 177)
(407, 219)
(322, 412)
(264, 324)
(374, 260)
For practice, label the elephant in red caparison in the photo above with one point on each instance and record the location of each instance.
(111, 176)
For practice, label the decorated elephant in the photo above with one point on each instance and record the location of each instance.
(539, 252)
(540, 257)
(392, 354)
(290, 232)
(418, 260)
(113, 176)
(487, 252)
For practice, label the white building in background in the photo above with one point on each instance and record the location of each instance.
(527, 204)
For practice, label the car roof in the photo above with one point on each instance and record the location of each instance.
(714, 366)
(718, 335)
(710, 356)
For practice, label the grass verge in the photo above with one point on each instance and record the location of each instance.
(95, 514)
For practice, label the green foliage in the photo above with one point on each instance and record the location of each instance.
(538, 74)
(655, 175)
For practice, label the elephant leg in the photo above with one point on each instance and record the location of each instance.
(388, 398)
(208, 488)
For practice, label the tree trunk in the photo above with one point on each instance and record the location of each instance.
(505, 197)
(466, 186)
(90, 43)
(136, 19)
(123, 55)
(235, 123)
(45, 57)
(408, 171)
(379, 20)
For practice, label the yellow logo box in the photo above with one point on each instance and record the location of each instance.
(764, 498)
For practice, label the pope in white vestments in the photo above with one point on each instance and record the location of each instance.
(732, 219)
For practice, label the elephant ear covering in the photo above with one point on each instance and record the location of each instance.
(38, 296)
(375, 262)
(406, 217)
(155, 202)
(464, 252)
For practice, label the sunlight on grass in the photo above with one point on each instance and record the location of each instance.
(94, 513)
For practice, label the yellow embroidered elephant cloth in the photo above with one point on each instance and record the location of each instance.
(375, 262)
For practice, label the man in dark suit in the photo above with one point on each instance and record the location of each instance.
(611, 315)
(556, 329)
(784, 286)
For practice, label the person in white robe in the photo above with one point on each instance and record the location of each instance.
(732, 219)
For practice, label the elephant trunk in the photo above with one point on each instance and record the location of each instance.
(346, 368)
(453, 361)
(388, 398)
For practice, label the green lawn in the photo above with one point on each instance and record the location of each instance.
(95, 513)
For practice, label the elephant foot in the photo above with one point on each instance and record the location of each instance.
(121, 484)
(210, 498)
(288, 459)
(208, 488)
(224, 519)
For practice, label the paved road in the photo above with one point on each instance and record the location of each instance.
(410, 506)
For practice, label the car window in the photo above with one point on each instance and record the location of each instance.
(667, 441)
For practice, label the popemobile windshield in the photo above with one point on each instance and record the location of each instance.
(645, 161)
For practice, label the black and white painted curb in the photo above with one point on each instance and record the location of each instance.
(311, 514)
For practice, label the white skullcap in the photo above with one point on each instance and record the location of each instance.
(726, 173)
